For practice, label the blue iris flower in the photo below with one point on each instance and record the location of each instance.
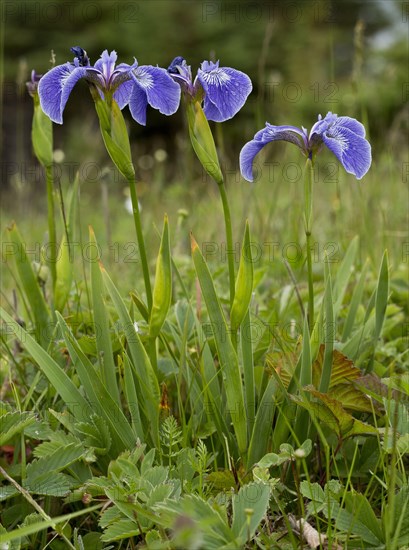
(223, 90)
(131, 85)
(344, 136)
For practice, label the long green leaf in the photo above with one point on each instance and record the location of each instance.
(70, 394)
(248, 369)
(229, 365)
(149, 394)
(102, 333)
(344, 273)
(302, 417)
(329, 333)
(381, 301)
(65, 259)
(262, 428)
(98, 393)
(31, 287)
(132, 399)
(354, 304)
(41, 525)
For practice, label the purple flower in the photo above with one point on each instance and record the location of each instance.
(131, 85)
(223, 90)
(344, 136)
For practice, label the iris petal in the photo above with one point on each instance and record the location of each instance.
(266, 135)
(160, 91)
(123, 93)
(138, 103)
(351, 149)
(226, 91)
(247, 154)
(106, 63)
(55, 87)
(352, 124)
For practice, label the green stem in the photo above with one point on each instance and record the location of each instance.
(36, 506)
(141, 242)
(310, 283)
(308, 179)
(52, 236)
(151, 349)
(229, 239)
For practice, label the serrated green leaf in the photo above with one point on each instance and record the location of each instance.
(331, 412)
(52, 484)
(13, 423)
(343, 369)
(61, 458)
(96, 434)
(121, 529)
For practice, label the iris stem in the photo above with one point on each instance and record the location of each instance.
(141, 242)
(52, 236)
(229, 239)
(308, 179)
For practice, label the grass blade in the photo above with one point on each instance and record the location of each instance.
(248, 370)
(355, 302)
(381, 301)
(229, 365)
(329, 333)
(344, 273)
(31, 287)
(98, 393)
(107, 368)
(149, 393)
(69, 393)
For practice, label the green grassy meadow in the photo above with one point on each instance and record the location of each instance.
(201, 416)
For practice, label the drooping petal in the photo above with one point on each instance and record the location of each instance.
(266, 135)
(138, 103)
(55, 87)
(247, 154)
(123, 93)
(160, 91)
(352, 150)
(226, 90)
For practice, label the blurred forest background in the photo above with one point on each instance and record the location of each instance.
(304, 58)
